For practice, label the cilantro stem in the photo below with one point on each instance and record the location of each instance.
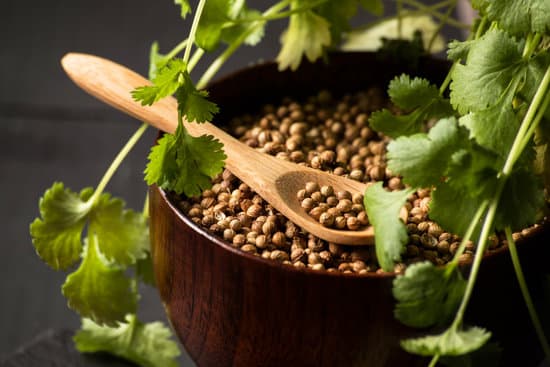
(116, 163)
(525, 292)
(432, 10)
(522, 137)
(220, 60)
(280, 15)
(434, 360)
(194, 25)
(176, 50)
(481, 28)
(195, 59)
(536, 120)
(441, 24)
(480, 251)
(531, 45)
(399, 18)
(470, 231)
(448, 79)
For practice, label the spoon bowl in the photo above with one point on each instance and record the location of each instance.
(275, 180)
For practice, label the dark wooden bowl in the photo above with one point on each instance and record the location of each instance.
(229, 308)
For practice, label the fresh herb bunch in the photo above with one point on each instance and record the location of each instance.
(480, 159)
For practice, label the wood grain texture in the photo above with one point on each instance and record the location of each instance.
(234, 309)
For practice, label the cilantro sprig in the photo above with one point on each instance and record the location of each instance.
(477, 160)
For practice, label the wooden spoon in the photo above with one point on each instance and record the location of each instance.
(275, 180)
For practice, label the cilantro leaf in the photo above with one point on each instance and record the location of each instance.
(99, 291)
(218, 24)
(185, 7)
(383, 208)
(519, 17)
(458, 50)
(307, 34)
(184, 163)
(166, 82)
(57, 236)
(471, 179)
(425, 167)
(447, 201)
(245, 22)
(161, 167)
(493, 62)
(427, 295)
(452, 342)
(148, 345)
(495, 127)
(521, 201)
(193, 104)
(417, 95)
(408, 94)
(122, 234)
(534, 67)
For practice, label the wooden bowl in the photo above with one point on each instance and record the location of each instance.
(230, 308)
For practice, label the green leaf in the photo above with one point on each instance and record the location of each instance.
(307, 34)
(426, 167)
(427, 295)
(148, 345)
(161, 167)
(472, 178)
(518, 17)
(166, 82)
(224, 20)
(184, 163)
(521, 201)
(185, 7)
(495, 127)
(458, 50)
(534, 67)
(417, 95)
(493, 62)
(122, 234)
(452, 342)
(409, 94)
(383, 209)
(245, 23)
(193, 104)
(57, 235)
(370, 39)
(99, 291)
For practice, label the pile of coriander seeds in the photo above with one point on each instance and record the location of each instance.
(333, 135)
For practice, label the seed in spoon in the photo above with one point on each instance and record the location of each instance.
(341, 211)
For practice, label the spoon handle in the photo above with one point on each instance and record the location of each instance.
(112, 83)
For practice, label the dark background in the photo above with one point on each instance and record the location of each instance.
(52, 131)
